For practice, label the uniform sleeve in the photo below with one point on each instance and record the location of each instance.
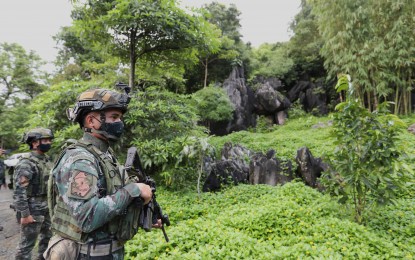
(22, 176)
(77, 184)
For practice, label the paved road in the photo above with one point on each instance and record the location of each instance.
(10, 235)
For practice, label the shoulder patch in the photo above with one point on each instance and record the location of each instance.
(82, 185)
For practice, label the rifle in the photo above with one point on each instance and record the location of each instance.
(152, 211)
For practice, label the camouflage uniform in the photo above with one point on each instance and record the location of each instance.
(2, 173)
(82, 189)
(30, 198)
(90, 194)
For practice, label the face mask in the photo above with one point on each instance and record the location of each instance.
(44, 147)
(113, 131)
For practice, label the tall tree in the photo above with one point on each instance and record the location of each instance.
(371, 40)
(20, 73)
(218, 62)
(143, 31)
(304, 46)
(226, 19)
(20, 80)
(270, 60)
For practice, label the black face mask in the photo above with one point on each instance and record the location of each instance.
(44, 147)
(113, 131)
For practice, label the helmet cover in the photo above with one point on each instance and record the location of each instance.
(37, 134)
(97, 100)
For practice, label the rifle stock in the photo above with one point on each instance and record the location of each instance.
(151, 212)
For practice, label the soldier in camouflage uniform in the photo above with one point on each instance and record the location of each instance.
(2, 171)
(89, 191)
(30, 194)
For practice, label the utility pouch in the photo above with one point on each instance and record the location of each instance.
(60, 248)
(129, 223)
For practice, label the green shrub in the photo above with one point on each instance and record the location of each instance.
(213, 104)
(162, 124)
(264, 222)
(368, 160)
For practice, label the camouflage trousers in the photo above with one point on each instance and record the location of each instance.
(117, 255)
(39, 230)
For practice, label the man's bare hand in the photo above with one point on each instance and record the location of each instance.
(27, 220)
(158, 224)
(146, 192)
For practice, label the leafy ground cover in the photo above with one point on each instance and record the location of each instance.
(285, 139)
(283, 222)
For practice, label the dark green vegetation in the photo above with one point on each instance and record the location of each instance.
(173, 59)
(284, 222)
(264, 222)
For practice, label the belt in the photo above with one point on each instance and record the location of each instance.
(100, 249)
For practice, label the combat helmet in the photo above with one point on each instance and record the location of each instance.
(97, 100)
(36, 134)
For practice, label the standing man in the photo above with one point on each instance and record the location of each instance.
(30, 193)
(2, 171)
(2, 176)
(89, 191)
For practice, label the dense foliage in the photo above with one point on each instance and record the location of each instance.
(270, 61)
(213, 104)
(374, 172)
(374, 42)
(162, 124)
(264, 222)
(21, 80)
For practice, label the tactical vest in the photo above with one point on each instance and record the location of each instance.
(38, 184)
(62, 221)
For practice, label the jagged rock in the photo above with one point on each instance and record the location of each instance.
(275, 83)
(235, 152)
(411, 129)
(225, 173)
(266, 169)
(268, 100)
(309, 168)
(242, 97)
(311, 96)
(232, 169)
(280, 117)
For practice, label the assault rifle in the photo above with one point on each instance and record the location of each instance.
(152, 211)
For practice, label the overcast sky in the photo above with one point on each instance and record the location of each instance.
(32, 23)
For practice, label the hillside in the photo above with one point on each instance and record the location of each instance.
(283, 222)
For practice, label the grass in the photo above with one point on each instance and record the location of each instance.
(285, 139)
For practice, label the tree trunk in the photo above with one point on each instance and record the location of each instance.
(206, 73)
(375, 101)
(133, 59)
(405, 102)
(369, 102)
(396, 100)
(410, 95)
